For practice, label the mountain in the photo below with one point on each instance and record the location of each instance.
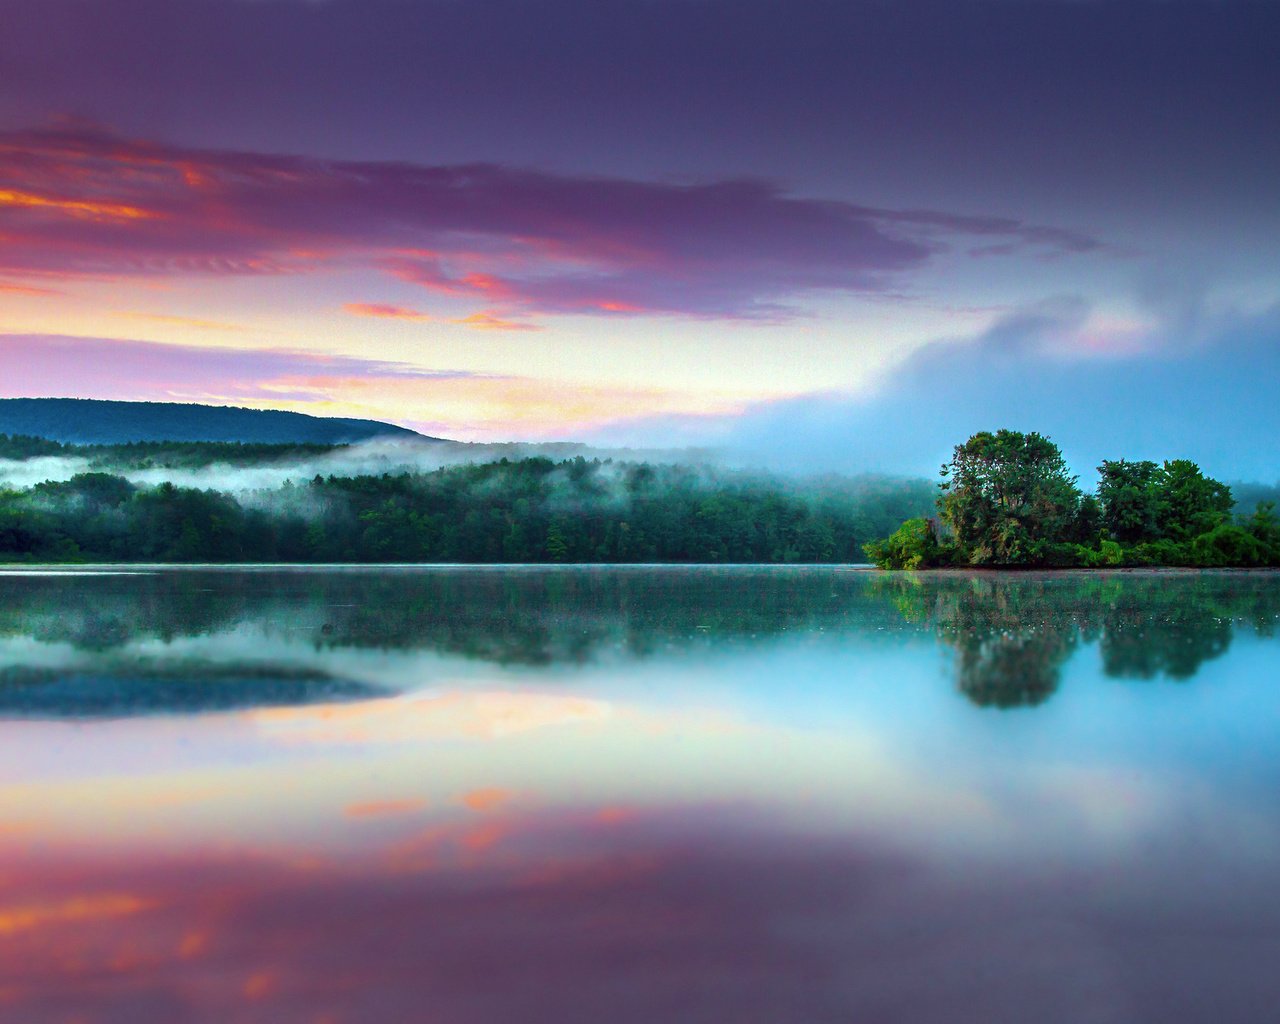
(90, 421)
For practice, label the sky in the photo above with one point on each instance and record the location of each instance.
(832, 235)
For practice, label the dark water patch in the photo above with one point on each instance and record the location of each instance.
(36, 693)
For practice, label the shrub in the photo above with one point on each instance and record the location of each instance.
(914, 545)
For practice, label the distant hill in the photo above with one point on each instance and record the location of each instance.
(89, 421)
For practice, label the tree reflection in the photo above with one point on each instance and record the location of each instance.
(1013, 633)
(1010, 641)
(1010, 634)
(1144, 642)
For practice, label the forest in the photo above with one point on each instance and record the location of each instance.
(523, 510)
(1007, 499)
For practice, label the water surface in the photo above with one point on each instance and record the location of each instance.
(806, 794)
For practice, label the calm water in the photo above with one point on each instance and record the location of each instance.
(638, 795)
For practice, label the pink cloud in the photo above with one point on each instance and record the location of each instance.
(24, 289)
(41, 364)
(385, 310)
(492, 322)
(80, 202)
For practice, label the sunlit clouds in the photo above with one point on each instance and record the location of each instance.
(112, 206)
(386, 310)
(493, 322)
(591, 218)
(446, 402)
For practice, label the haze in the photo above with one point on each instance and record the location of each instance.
(829, 234)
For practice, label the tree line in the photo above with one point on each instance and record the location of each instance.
(1008, 499)
(526, 510)
(171, 454)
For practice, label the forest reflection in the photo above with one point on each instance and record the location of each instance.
(1012, 635)
(1009, 634)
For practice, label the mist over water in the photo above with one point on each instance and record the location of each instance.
(772, 793)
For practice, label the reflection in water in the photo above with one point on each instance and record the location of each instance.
(108, 692)
(1011, 634)
(593, 921)
(469, 795)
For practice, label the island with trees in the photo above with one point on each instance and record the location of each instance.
(1008, 500)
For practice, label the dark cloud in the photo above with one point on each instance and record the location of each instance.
(85, 202)
(968, 104)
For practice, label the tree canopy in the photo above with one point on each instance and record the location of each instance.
(1009, 499)
(527, 510)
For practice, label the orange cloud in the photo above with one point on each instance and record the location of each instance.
(84, 208)
(484, 282)
(492, 322)
(23, 289)
(182, 321)
(383, 309)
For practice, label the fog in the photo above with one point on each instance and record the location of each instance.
(1198, 385)
(255, 484)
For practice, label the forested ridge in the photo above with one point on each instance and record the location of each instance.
(526, 510)
(84, 420)
(168, 454)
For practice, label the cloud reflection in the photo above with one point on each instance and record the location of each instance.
(697, 916)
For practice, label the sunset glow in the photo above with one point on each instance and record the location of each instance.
(818, 247)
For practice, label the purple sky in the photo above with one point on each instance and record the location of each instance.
(846, 232)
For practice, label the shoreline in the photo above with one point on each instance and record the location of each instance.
(15, 569)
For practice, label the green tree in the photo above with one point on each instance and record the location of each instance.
(1131, 496)
(1193, 503)
(914, 545)
(557, 548)
(1009, 498)
(1265, 528)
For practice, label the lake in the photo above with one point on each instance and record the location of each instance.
(638, 794)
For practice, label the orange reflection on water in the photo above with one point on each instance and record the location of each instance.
(628, 915)
(453, 715)
(384, 808)
(487, 799)
(75, 909)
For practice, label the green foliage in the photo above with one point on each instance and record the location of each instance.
(1008, 498)
(530, 510)
(23, 446)
(1159, 509)
(1264, 527)
(1193, 504)
(1157, 552)
(914, 545)
(1227, 544)
(1009, 501)
(98, 422)
(1130, 497)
